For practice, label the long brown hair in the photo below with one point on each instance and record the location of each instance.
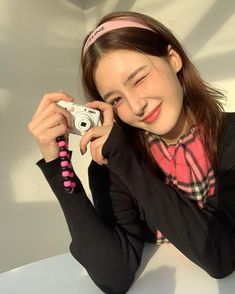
(200, 99)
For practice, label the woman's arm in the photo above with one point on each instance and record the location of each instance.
(109, 250)
(206, 236)
(107, 240)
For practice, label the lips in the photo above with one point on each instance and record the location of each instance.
(152, 115)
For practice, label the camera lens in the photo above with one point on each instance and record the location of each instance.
(83, 123)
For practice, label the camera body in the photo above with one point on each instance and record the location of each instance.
(84, 118)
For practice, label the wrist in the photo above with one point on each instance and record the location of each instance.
(49, 153)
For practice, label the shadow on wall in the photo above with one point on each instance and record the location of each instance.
(85, 5)
(219, 66)
(209, 25)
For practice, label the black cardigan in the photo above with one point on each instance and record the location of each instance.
(131, 203)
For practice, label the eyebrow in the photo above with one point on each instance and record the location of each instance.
(130, 77)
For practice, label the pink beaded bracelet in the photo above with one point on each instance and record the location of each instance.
(66, 166)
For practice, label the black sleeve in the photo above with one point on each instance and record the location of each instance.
(107, 239)
(206, 236)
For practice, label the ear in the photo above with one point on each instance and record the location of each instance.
(174, 59)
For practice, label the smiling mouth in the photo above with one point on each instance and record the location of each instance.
(152, 115)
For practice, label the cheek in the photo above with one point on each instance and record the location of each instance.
(179, 91)
(125, 114)
(174, 91)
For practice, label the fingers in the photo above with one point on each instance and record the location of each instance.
(49, 128)
(51, 98)
(97, 137)
(106, 110)
(92, 134)
(48, 108)
(96, 150)
(50, 121)
(48, 136)
(49, 111)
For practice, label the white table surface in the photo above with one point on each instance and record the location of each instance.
(163, 271)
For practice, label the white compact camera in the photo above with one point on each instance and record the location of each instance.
(84, 118)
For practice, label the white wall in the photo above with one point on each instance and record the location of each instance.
(39, 52)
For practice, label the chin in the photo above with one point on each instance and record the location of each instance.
(165, 129)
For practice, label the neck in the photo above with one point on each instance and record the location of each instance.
(180, 129)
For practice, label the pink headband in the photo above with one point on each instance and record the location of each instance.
(109, 26)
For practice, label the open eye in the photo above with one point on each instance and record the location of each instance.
(114, 102)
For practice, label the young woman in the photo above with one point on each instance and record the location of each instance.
(163, 165)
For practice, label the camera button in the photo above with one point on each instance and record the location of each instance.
(70, 109)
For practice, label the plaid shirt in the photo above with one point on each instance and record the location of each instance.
(186, 166)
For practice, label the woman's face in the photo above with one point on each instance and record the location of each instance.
(144, 91)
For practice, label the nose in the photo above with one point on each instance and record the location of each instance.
(138, 105)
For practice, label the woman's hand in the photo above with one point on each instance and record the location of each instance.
(98, 135)
(50, 121)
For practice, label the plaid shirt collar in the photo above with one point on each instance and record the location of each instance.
(186, 166)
